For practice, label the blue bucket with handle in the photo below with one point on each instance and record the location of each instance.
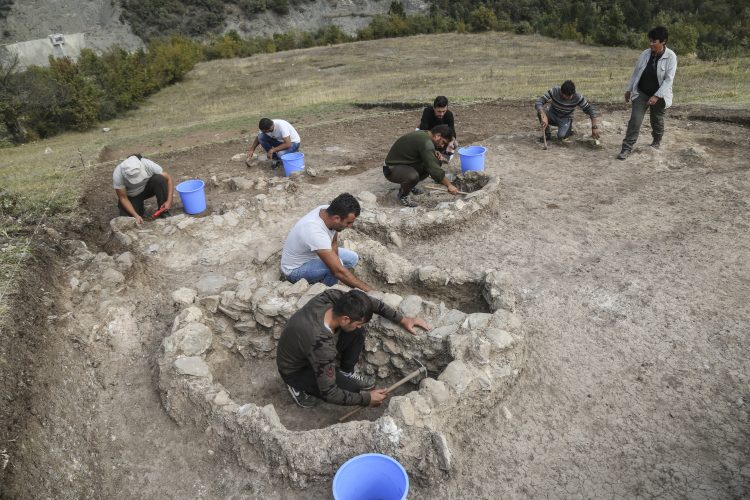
(193, 195)
(472, 158)
(293, 162)
(371, 476)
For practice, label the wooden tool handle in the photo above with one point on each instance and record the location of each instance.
(435, 188)
(389, 389)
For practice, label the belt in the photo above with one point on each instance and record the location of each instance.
(386, 170)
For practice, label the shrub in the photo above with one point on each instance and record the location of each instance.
(482, 19)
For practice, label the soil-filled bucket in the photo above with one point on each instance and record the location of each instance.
(293, 162)
(472, 158)
(369, 476)
(193, 195)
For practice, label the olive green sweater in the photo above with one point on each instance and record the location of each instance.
(416, 149)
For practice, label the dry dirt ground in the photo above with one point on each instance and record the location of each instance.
(632, 280)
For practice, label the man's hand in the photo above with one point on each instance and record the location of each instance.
(377, 396)
(138, 219)
(653, 100)
(410, 323)
(166, 205)
(269, 155)
(543, 120)
(627, 96)
(452, 189)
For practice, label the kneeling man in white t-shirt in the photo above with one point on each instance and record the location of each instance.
(311, 249)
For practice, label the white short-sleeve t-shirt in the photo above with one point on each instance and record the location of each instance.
(119, 181)
(308, 235)
(281, 129)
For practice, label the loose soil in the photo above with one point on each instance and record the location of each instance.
(631, 279)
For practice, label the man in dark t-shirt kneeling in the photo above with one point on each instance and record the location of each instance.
(331, 325)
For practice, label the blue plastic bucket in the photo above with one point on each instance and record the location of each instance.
(193, 195)
(370, 476)
(293, 162)
(472, 158)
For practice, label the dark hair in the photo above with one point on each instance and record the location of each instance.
(265, 123)
(440, 102)
(355, 304)
(568, 87)
(444, 131)
(137, 155)
(343, 205)
(659, 33)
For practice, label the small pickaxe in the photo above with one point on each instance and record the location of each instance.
(422, 369)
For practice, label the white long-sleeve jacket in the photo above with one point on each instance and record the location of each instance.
(665, 71)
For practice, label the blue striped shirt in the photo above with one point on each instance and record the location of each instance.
(565, 107)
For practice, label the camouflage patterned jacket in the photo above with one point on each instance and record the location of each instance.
(306, 341)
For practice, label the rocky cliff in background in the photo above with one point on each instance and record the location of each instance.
(102, 23)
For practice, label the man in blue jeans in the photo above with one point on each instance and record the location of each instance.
(311, 249)
(563, 102)
(277, 138)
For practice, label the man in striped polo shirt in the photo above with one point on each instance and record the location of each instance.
(563, 101)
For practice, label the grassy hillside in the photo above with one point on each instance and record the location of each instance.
(221, 98)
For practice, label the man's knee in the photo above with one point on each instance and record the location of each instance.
(348, 258)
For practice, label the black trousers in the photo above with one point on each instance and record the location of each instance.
(406, 176)
(349, 347)
(156, 186)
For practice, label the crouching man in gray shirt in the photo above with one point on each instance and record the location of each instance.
(330, 325)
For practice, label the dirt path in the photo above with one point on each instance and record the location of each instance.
(631, 282)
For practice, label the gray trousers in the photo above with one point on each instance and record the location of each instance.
(640, 105)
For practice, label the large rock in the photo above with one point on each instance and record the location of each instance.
(498, 291)
(193, 366)
(499, 339)
(411, 306)
(378, 358)
(367, 198)
(457, 375)
(213, 284)
(246, 288)
(194, 339)
(184, 296)
(476, 321)
(112, 278)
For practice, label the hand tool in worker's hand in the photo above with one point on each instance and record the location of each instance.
(158, 213)
(544, 136)
(436, 188)
(421, 370)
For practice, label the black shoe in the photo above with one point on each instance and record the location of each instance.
(303, 399)
(404, 200)
(656, 144)
(275, 164)
(165, 214)
(365, 382)
(416, 190)
(623, 155)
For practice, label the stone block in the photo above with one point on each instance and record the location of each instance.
(246, 288)
(429, 273)
(227, 298)
(112, 278)
(210, 302)
(398, 362)
(434, 391)
(453, 316)
(457, 375)
(395, 239)
(400, 408)
(498, 291)
(391, 347)
(193, 339)
(193, 366)
(246, 326)
(378, 358)
(411, 306)
(372, 344)
(392, 300)
(440, 444)
(213, 284)
(442, 332)
(506, 320)
(499, 339)
(124, 260)
(383, 372)
(262, 343)
(298, 288)
(264, 320)
(271, 306)
(184, 296)
(476, 321)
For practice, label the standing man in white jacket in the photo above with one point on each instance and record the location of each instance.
(650, 87)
